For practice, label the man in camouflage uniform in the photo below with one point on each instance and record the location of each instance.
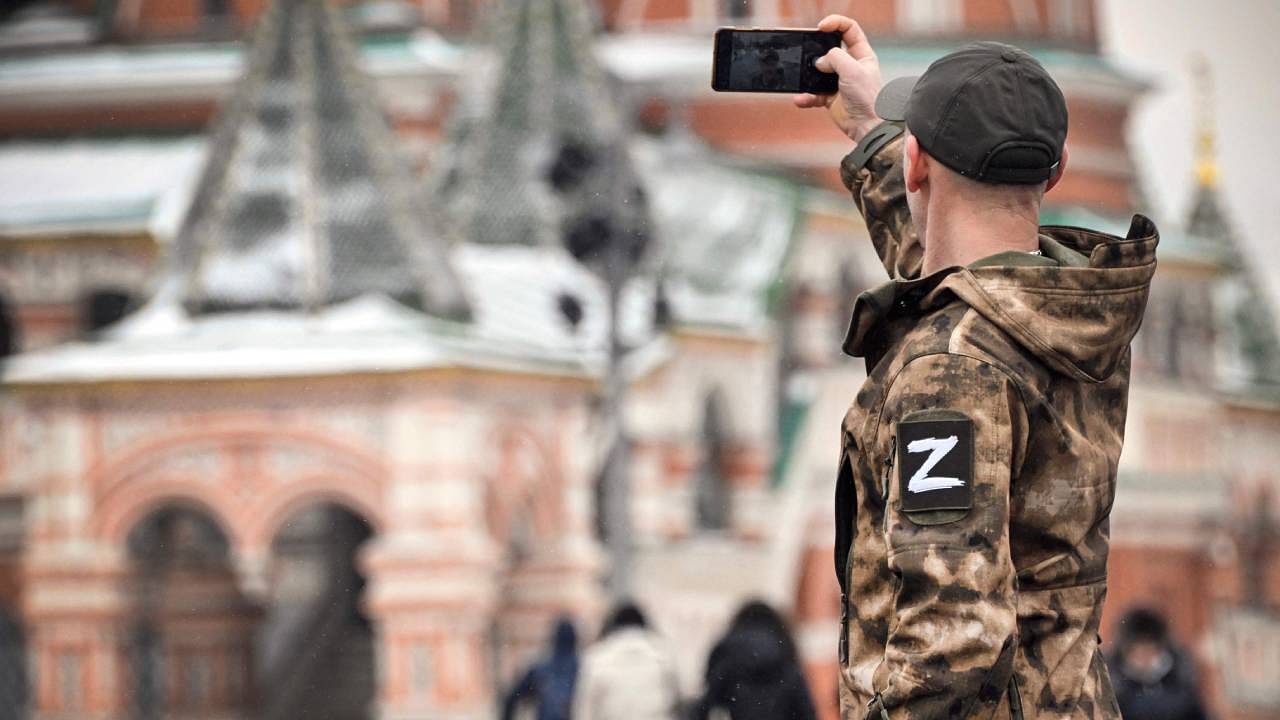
(979, 459)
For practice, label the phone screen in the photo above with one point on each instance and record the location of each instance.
(772, 61)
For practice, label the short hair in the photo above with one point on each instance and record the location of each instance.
(1144, 624)
(625, 615)
(757, 616)
(1005, 195)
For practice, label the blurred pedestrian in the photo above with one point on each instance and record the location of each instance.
(1152, 678)
(629, 674)
(754, 672)
(548, 685)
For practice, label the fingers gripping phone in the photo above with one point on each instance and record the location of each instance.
(772, 60)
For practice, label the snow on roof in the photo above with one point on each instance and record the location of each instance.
(304, 199)
(515, 329)
(110, 72)
(107, 186)
(723, 232)
(514, 290)
(516, 325)
(133, 185)
(44, 24)
(159, 343)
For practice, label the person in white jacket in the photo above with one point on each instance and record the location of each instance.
(628, 674)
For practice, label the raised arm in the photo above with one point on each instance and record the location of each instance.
(880, 193)
(873, 171)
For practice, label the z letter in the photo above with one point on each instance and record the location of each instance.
(920, 482)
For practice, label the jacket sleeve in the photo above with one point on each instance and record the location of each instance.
(950, 649)
(880, 193)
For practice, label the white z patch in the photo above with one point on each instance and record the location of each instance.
(921, 481)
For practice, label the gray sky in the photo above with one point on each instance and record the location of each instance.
(1241, 41)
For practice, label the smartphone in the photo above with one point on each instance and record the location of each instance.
(776, 60)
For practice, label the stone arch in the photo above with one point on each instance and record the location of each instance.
(362, 497)
(201, 467)
(316, 642)
(118, 518)
(175, 505)
(186, 634)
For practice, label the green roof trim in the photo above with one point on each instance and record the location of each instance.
(774, 292)
(1053, 58)
(88, 214)
(143, 60)
(791, 420)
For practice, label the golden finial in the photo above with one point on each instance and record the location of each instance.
(1206, 154)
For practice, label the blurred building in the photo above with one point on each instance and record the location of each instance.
(303, 406)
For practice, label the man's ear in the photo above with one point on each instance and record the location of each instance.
(916, 172)
(1057, 172)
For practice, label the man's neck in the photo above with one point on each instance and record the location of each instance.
(960, 235)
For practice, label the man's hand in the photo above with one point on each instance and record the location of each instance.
(853, 107)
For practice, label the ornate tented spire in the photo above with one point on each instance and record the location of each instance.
(549, 94)
(303, 200)
(1251, 327)
(1207, 220)
(1206, 154)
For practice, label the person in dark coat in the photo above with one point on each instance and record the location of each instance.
(1152, 678)
(754, 673)
(549, 684)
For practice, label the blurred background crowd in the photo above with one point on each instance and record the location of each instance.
(360, 359)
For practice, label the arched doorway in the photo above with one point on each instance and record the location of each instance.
(711, 484)
(188, 640)
(8, 329)
(316, 644)
(104, 307)
(14, 690)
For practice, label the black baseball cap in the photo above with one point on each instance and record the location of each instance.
(988, 111)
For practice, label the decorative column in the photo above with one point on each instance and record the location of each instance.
(431, 568)
(431, 600)
(74, 600)
(75, 615)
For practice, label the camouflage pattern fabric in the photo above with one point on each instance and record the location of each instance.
(988, 608)
(881, 196)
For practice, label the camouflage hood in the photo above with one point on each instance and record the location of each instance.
(1077, 306)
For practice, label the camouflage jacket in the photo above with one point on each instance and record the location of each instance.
(978, 469)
